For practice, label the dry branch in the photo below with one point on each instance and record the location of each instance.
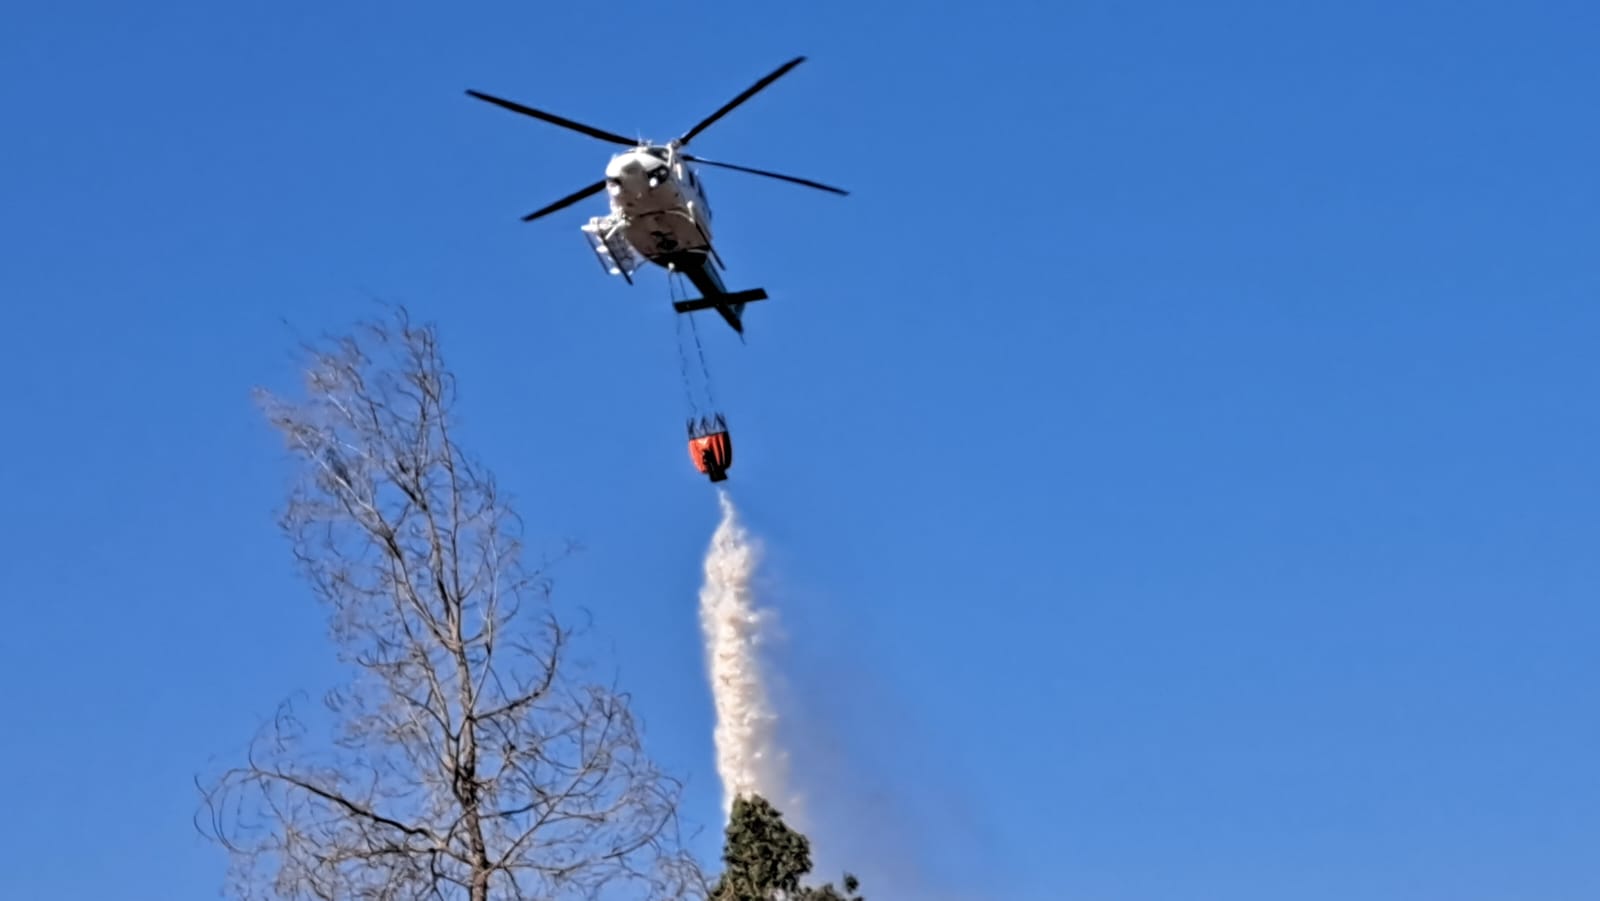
(463, 761)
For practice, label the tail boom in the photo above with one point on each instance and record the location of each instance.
(730, 305)
(713, 294)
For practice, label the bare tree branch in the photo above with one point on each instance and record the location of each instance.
(463, 761)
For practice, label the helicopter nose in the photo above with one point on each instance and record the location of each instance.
(627, 164)
(636, 173)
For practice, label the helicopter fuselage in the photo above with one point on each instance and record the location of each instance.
(660, 203)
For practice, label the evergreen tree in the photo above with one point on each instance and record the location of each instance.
(764, 859)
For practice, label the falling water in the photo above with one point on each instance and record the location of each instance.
(748, 757)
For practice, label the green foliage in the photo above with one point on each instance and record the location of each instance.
(828, 893)
(764, 859)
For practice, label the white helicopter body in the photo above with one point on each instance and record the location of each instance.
(658, 207)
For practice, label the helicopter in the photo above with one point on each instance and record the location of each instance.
(659, 212)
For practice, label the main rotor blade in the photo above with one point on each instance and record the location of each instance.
(589, 130)
(799, 181)
(748, 93)
(567, 201)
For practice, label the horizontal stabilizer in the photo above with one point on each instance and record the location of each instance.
(735, 299)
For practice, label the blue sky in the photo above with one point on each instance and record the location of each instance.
(1175, 459)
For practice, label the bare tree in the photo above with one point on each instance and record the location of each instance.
(464, 760)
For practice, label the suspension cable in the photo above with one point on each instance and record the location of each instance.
(705, 370)
(683, 352)
(675, 285)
